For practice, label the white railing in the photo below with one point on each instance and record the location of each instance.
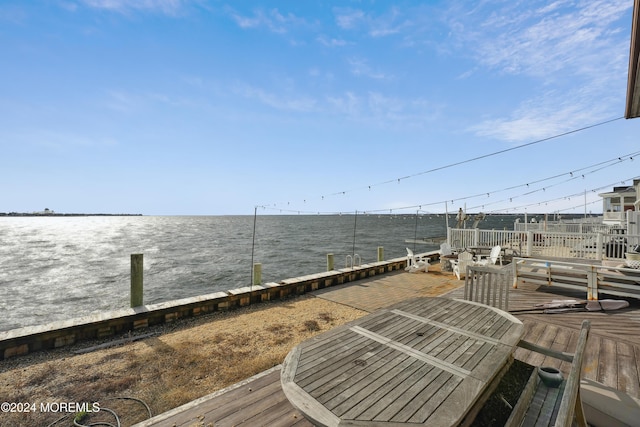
(564, 227)
(614, 216)
(590, 278)
(595, 246)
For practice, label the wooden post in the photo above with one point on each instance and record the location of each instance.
(514, 272)
(380, 253)
(329, 262)
(257, 273)
(137, 264)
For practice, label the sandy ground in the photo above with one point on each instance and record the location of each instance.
(184, 361)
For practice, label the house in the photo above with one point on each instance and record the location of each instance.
(616, 204)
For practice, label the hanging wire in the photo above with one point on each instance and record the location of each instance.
(593, 190)
(484, 156)
(473, 159)
(573, 174)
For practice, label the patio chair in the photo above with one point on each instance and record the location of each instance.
(493, 257)
(415, 263)
(460, 265)
(445, 249)
(489, 286)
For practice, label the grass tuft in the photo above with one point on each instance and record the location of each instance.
(311, 325)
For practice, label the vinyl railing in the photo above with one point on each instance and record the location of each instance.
(563, 227)
(596, 246)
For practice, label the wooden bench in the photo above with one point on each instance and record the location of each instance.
(540, 405)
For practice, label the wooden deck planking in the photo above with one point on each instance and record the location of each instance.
(258, 401)
(612, 355)
(620, 326)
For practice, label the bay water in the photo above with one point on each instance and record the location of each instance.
(57, 268)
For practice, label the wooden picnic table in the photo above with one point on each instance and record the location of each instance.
(426, 361)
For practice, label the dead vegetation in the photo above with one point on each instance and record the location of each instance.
(169, 369)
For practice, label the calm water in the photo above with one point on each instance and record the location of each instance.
(55, 268)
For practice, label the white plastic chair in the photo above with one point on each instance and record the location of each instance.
(445, 249)
(460, 265)
(493, 257)
(415, 263)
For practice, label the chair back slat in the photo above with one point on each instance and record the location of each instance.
(488, 285)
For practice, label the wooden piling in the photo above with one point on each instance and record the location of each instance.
(329, 262)
(380, 253)
(257, 273)
(137, 265)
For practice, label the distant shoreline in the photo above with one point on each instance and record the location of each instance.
(37, 214)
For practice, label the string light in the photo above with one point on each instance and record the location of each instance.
(589, 170)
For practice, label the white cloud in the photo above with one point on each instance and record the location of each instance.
(360, 67)
(545, 116)
(331, 42)
(123, 102)
(272, 20)
(391, 22)
(280, 102)
(574, 53)
(349, 19)
(539, 41)
(168, 7)
(381, 110)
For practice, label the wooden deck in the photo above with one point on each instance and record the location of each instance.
(612, 356)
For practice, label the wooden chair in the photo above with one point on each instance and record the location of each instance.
(540, 405)
(489, 286)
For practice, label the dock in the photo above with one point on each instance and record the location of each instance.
(612, 357)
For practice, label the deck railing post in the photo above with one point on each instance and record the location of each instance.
(330, 262)
(529, 243)
(137, 267)
(592, 283)
(599, 247)
(380, 254)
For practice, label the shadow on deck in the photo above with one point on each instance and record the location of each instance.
(612, 356)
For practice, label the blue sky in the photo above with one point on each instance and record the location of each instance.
(178, 107)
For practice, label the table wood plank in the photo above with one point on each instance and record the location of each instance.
(366, 367)
(381, 379)
(352, 404)
(386, 401)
